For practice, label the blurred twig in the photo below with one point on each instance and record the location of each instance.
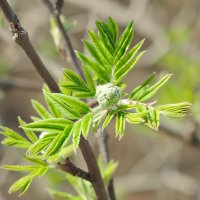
(56, 11)
(18, 83)
(103, 137)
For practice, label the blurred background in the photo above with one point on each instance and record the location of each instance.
(159, 165)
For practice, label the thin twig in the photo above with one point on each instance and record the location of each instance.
(20, 36)
(55, 10)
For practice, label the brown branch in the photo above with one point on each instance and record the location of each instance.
(20, 36)
(69, 167)
(103, 147)
(55, 11)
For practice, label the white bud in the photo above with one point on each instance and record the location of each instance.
(108, 95)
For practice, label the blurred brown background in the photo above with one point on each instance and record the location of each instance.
(163, 165)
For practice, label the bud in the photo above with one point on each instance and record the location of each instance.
(108, 95)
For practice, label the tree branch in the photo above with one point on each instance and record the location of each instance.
(20, 36)
(55, 11)
(69, 167)
(103, 147)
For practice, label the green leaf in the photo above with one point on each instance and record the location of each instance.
(175, 110)
(40, 145)
(14, 139)
(136, 117)
(114, 28)
(30, 134)
(90, 80)
(77, 81)
(52, 125)
(22, 184)
(86, 123)
(51, 106)
(106, 56)
(124, 42)
(106, 36)
(120, 125)
(58, 142)
(154, 88)
(108, 172)
(109, 117)
(69, 104)
(63, 153)
(61, 102)
(141, 88)
(20, 167)
(129, 56)
(35, 161)
(121, 73)
(94, 52)
(96, 68)
(76, 131)
(16, 143)
(42, 112)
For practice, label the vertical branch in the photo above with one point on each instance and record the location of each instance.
(55, 10)
(20, 36)
(103, 147)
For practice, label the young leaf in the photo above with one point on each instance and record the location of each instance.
(136, 117)
(94, 52)
(22, 185)
(77, 82)
(90, 80)
(14, 139)
(75, 104)
(30, 134)
(120, 125)
(121, 73)
(52, 125)
(175, 110)
(154, 88)
(106, 36)
(86, 123)
(129, 56)
(96, 68)
(108, 172)
(114, 29)
(76, 131)
(40, 145)
(35, 161)
(141, 88)
(42, 112)
(20, 167)
(124, 42)
(109, 117)
(61, 102)
(58, 142)
(52, 107)
(102, 49)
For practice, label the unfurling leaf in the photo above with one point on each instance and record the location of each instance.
(175, 110)
(150, 91)
(141, 88)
